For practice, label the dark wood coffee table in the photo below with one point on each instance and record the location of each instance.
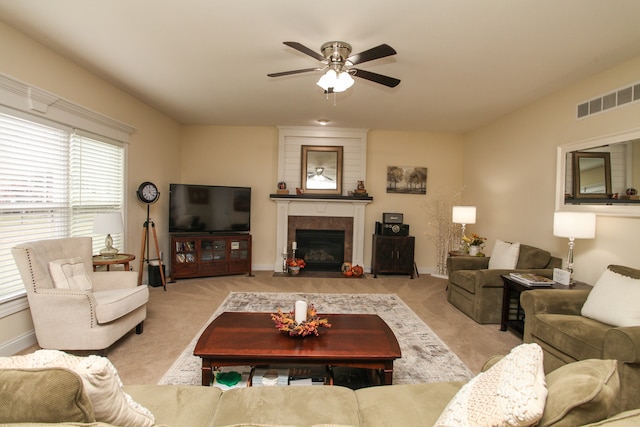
(354, 340)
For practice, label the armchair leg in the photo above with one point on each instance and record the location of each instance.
(139, 327)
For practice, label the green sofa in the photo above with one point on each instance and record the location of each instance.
(477, 291)
(578, 394)
(554, 321)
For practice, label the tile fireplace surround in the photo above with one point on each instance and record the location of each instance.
(319, 206)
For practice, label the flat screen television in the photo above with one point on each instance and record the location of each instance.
(209, 209)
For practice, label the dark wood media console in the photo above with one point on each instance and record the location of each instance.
(202, 255)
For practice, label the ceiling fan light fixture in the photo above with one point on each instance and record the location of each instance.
(336, 82)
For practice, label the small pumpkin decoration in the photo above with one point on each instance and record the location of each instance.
(346, 266)
(357, 271)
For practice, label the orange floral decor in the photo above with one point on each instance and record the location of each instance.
(285, 323)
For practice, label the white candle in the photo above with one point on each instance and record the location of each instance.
(294, 245)
(300, 311)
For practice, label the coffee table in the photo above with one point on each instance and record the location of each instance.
(354, 340)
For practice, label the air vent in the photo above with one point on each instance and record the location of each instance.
(610, 100)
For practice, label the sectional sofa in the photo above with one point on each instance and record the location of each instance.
(87, 392)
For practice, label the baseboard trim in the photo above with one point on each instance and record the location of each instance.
(17, 344)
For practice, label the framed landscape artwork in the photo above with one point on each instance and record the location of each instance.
(407, 179)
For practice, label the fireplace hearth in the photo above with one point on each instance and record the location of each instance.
(322, 250)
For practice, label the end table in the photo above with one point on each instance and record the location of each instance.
(123, 259)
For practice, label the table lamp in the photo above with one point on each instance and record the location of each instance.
(108, 223)
(574, 225)
(463, 215)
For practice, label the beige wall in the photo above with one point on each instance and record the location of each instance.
(238, 156)
(440, 153)
(510, 169)
(153, 151)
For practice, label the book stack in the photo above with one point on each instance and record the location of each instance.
(531, 279)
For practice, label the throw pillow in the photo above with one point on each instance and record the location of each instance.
(101, 383)
(504, 256)
(511, 393)
(580, 393)
(43, 395)
(69, 274)
(614, 300)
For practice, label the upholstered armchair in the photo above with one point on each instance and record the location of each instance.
(477, 290)
(554, 320)
(73, 307)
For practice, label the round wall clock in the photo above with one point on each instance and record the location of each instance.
(148, 192)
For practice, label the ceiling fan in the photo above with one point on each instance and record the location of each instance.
(338, 64)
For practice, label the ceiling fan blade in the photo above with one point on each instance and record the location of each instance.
(374, 53)
(375, 77)
(302, 48)
(286, 73)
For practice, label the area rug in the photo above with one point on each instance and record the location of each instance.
(425, 358)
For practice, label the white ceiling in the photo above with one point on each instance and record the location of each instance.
(462, 63)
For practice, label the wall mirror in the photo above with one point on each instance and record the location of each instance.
(321, 169)
(600, 175)
(591, 175)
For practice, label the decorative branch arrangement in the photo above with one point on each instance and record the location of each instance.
(442, 230)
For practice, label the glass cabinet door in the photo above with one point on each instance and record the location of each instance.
(239, 250)
(186, 251)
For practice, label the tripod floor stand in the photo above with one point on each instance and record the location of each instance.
(145, 250)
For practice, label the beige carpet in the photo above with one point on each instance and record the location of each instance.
(175, 316)
(425, 358)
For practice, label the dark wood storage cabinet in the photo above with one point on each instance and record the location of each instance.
(392, 255)
(210, 255)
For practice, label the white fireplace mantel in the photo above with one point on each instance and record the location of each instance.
(352, 207)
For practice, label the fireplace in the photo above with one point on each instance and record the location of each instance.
(322, 250)
(306, 212)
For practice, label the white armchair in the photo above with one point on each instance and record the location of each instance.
(79, 314)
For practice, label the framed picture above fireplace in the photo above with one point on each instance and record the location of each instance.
(321, 169)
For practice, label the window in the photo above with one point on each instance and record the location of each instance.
(53, 181)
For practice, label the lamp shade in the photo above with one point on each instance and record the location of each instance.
(339, 82)
(464, 215)
(576, 225)
(108, 223)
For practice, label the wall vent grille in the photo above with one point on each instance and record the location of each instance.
(614, 99)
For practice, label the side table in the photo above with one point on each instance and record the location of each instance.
(512, 291)
(123, 259)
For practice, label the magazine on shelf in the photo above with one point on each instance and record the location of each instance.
(532, 279)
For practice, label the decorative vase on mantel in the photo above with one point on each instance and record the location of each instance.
(474, 250)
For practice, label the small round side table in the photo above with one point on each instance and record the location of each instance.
(123, 259)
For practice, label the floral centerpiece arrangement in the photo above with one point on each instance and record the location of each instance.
(286, 323)
(474, 241)
(295, 264)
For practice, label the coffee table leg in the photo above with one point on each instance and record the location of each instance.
(387, 374)
(207, 373)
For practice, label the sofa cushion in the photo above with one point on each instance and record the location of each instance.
(274, 405)
(576, 336)
(405, 404)
(100, 380)
(580, 393)
(115, 303)
(43, 395)
(510, 393)
(504, 256)
(624, 419)
(69, 273)
(532, 258)
(176, 406)
(614, 300)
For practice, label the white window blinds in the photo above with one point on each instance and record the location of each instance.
(52, 182)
